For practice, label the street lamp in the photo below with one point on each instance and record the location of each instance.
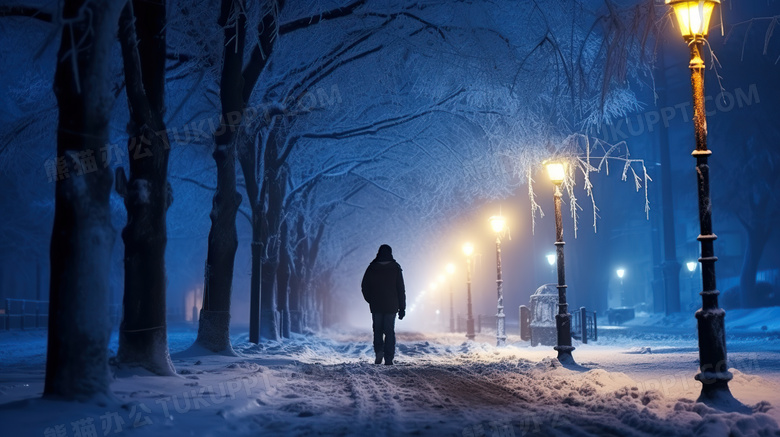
(620, 273)
(432, 287)
(440, 279)
(557, 173)
(450, 271)
(468, 250)
(691, 266)
(498, 223)
(551, 262)
(693, 17)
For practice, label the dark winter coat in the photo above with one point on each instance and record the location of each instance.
(383, 286)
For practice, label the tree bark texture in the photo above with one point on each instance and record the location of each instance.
(82, 234)
(143, 338)
(214, 323)
(283, 281)
(272, 197)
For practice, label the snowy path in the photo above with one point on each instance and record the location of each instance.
(631, 383)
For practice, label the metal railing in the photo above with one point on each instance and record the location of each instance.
(34, 314)
(24, 314)
(584, 326)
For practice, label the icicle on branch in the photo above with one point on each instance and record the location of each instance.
(577, 152)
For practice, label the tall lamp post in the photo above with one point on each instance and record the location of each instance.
(498, 223)
(432, 287)
(693, 18)
(450, 272)
(557, 174)
(441, 279)
(468, 250)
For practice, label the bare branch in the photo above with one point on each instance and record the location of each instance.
(25, 11)
(302, 23)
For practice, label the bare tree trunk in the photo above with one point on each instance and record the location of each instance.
(272, 198)
(296, 318)
(254, 275)
(82, 235)
(283, 280)
(214, 323)
(143, 337)
(247, 157)
(297, 271)
(269, 321)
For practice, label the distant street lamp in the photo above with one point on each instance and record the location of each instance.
(557, 174)
(468, 250)
(498, 223)
(441, 298)
(551, 262)
(432, 287)
(451, 271)
(691, 266)
(693, 17)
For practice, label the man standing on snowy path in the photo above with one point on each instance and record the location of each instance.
(383, 289)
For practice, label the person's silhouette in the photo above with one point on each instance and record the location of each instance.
(383, 289)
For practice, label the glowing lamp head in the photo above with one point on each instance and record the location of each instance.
(691, 266)
(450, 268)
(693, 16)
(498, 223)
(551, 259)
(621, 273)
(468, 249)
(556, 170)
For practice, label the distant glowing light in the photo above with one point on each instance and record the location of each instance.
(437, 312)
(551, 259)
(468, 249)
(497, 222)
(557, 171)
(691, 266)
(620, 273)
(450, 268)
(693, 16)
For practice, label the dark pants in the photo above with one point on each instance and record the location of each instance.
(384, 335)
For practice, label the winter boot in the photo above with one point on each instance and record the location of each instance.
(378, 359)
(389, 361)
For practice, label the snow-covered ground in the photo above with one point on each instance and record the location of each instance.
(635, 380)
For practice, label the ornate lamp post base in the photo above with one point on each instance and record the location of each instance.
(564, 348)
(470, 328)
(468, 250)
(564, 354)
(501, 322)
(714, 377)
